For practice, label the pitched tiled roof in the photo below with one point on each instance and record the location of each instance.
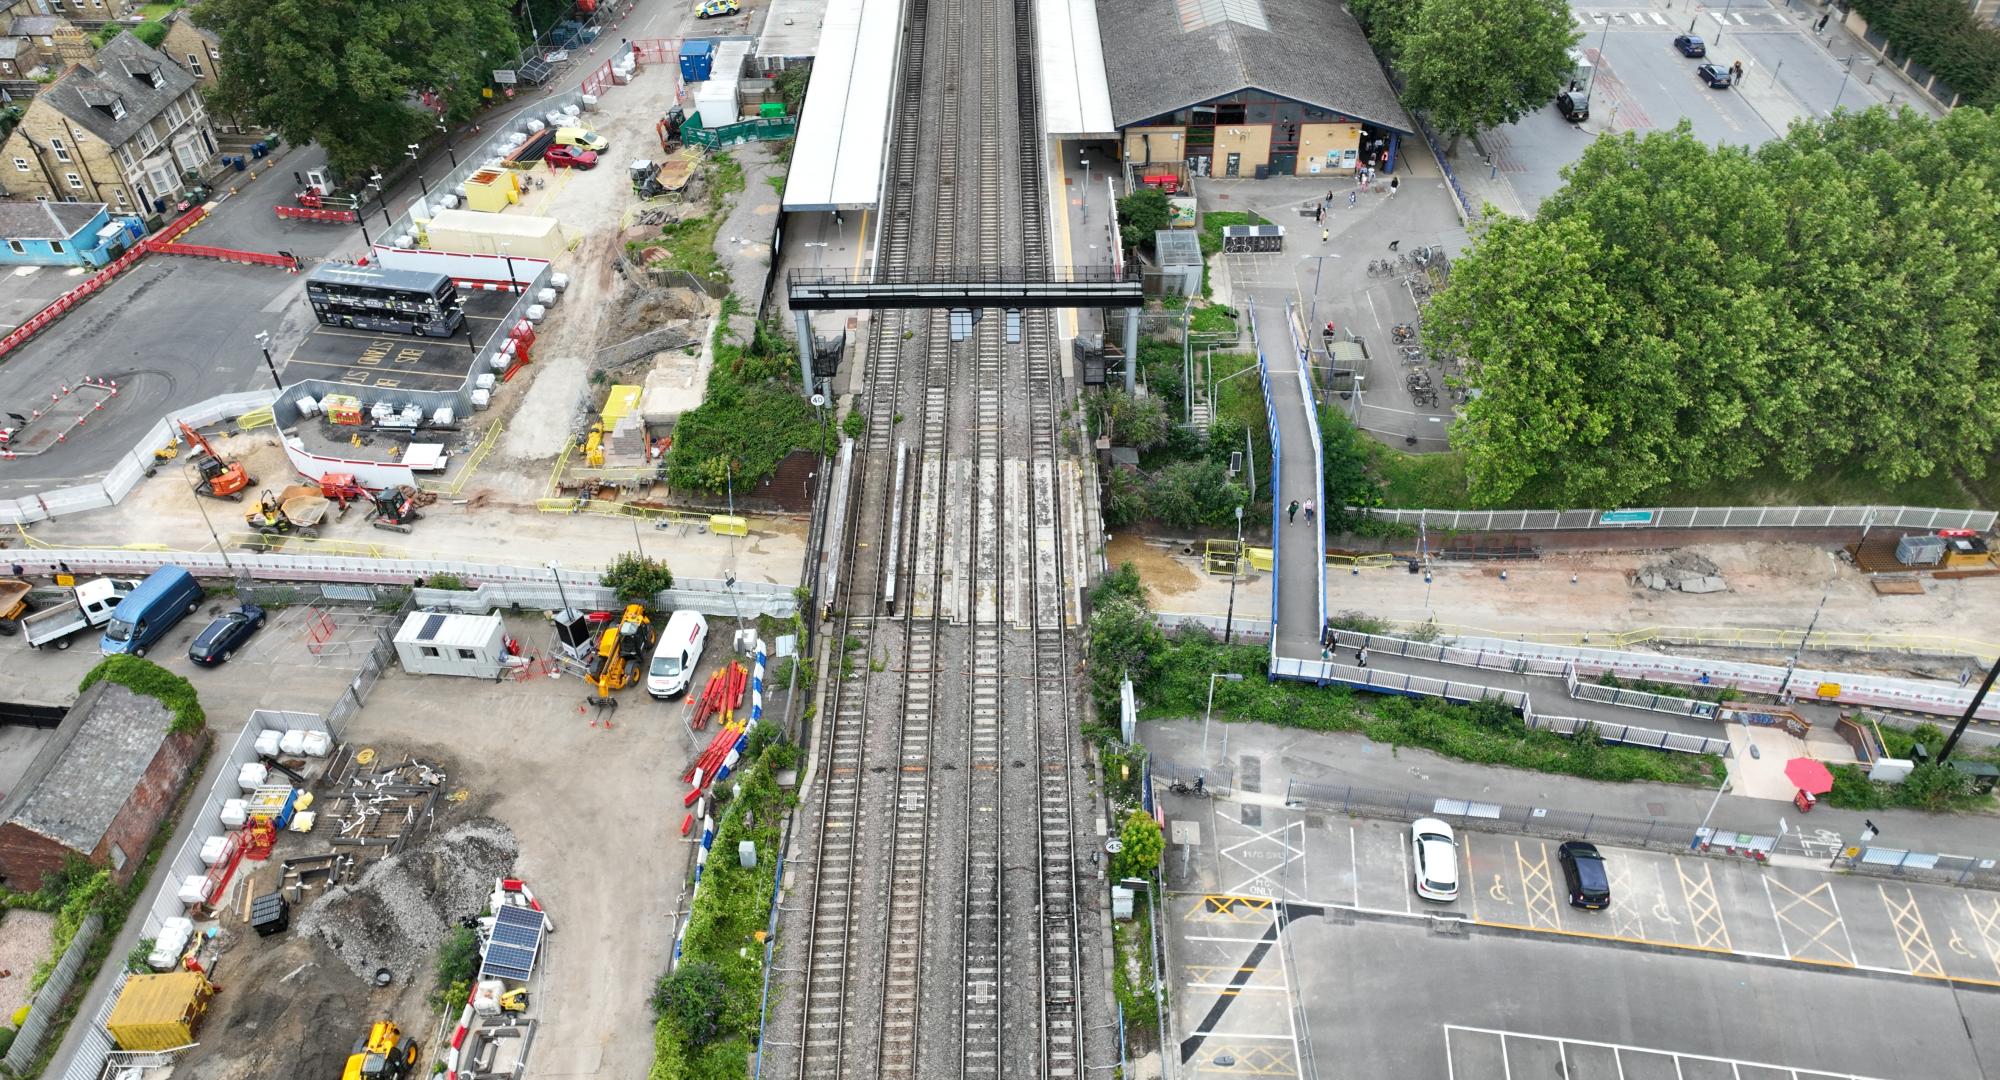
(130, 85)
(30, 220)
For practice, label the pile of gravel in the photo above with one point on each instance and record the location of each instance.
(400, 909)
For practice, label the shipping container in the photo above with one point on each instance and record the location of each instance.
(159, 1012)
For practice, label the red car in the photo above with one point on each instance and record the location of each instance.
(569, 157)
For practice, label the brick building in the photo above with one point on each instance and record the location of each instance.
(40, 41)
(99, 788)
(197, 51)
(123, 130)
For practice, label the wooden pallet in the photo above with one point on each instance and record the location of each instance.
(1900, 586)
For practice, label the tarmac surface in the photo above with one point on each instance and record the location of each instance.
(1686, 974)
(367, 360)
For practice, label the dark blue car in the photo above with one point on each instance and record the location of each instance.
(1690, 45)
(220, 640)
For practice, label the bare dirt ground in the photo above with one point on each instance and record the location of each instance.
(493, 519)
(24, 943)
(1769, 586)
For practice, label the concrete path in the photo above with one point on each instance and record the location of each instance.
(1300, 542)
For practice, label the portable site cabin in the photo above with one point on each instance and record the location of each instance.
(440, 643)
(159, 1012)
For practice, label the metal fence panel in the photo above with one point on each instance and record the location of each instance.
(96, 1044)
(44, 1006)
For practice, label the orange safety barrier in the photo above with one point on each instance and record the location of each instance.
(255, 258)
(308, 213)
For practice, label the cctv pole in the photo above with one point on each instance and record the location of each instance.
(1970, 710)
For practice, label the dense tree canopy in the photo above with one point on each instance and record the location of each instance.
(1472, 64)
(1945, 37)
(1684, 314)
(347, 75)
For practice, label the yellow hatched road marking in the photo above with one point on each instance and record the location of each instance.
(1710, 931)
(1912, 936)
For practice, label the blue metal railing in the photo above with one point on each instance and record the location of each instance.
(1277, 475)
(1306, 397)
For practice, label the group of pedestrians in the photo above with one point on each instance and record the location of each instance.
(1292, 511)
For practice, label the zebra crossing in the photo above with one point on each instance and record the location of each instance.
(1651, 19)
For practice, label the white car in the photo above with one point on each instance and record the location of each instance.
(1434, 860)
(674, 661)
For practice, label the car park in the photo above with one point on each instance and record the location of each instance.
(1691, 46)
(569, 157)
(1434, 860)
(1583, 873)
(1716, 76)
(219, 640)
(1573, 106)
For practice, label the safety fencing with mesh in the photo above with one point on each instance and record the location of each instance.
(1692, 517)
(46, 1005)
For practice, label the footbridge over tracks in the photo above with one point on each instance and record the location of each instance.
(965, 287)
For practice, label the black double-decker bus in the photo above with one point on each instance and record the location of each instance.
(374, 298)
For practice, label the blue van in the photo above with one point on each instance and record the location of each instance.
(149, 611)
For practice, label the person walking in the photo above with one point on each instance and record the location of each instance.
(1394, 183)
(1736, 73)
(1292, 512)
(1821, 24)
(1362, 657)
(1325, 234)
(1350, 200)
(1310, 511)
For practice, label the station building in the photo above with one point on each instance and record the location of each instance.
(1245, 88)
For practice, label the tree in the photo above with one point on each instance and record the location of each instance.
(694, 998)
(1344, 471)
(1138, 422)
(1124, 499)
(1141, 214)
(1682, 315)
(1124, 643)
(637, 579)
(344, 75)
(1142, 847)
(1189, 493)
(1473, 64)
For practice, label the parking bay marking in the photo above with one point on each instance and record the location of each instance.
(1704, 913)
(1625, 918)
(1987, 921)
(1538, 894)
(1912, 936)
(1828, 920)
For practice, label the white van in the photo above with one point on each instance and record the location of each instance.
(674, 661)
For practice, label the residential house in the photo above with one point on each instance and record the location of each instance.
(197, 51)
(123, 130)
(91, 13)
(45, 40)
(60, 234)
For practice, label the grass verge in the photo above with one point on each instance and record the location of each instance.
(708, 1007)
(1132, 976)
(1213, 222)
(750, 418)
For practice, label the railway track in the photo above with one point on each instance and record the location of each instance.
(940, 919)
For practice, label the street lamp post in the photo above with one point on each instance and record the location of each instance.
(1319, 264)
(382, 200)
(1086, 188)
(1845, 75)
(1792, 664)
(449, 152)
(1226, 676)
(264, 343)
(426, 188)
(1695, 840)
(1229, 620)
(1970, 710)
(194, 486)
(1721, 22)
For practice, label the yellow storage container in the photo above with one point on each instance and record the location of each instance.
(159, 1012)
(623, 402)
(728, 525)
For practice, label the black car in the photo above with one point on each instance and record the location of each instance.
(221, 638)
(1690, 45)
(1574, 107)
(1583, 873)
(1717, 78)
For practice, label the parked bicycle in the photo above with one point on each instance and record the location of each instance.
(1195, 790)
(1403, 332)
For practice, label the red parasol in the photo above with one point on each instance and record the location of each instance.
(1809, 775)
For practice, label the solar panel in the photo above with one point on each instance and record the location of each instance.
(432, 624)
(513, 943)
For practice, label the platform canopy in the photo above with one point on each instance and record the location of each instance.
(844, 127)
(1076, 99)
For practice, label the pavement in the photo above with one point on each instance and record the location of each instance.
(1644, 84)
(1331, 761)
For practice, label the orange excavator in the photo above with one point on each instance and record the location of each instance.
(219, 478)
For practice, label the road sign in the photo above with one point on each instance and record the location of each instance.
(1625, 517)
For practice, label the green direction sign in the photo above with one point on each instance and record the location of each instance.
(1625, 517)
